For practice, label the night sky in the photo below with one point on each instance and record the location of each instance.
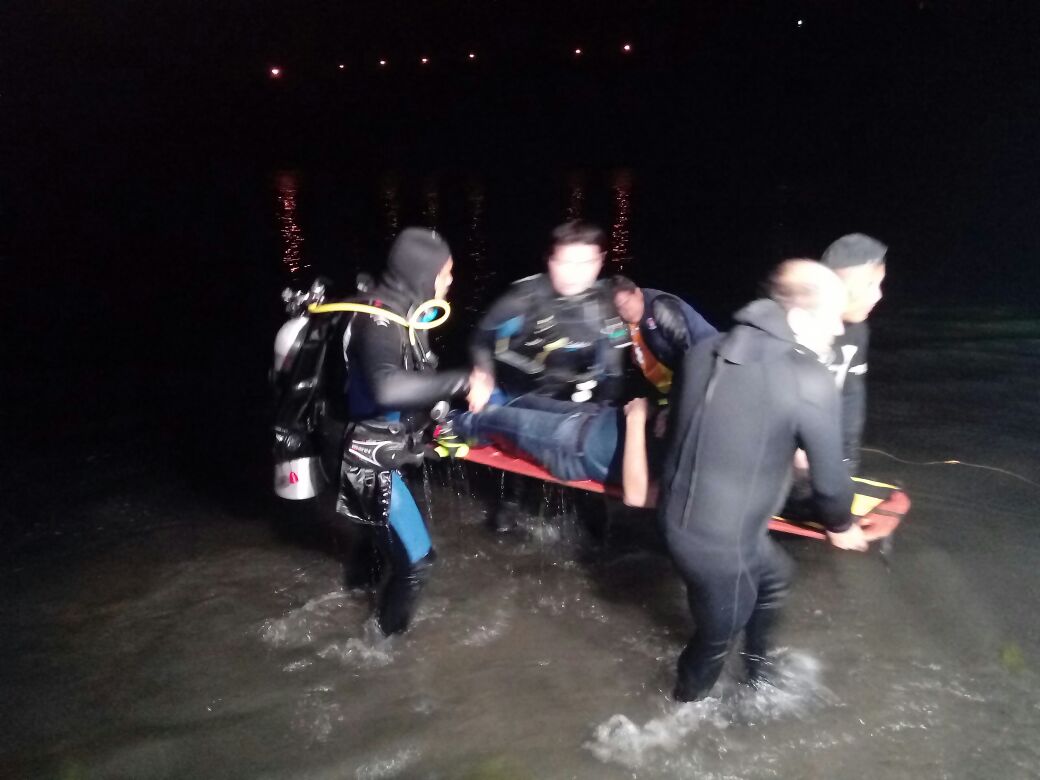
(916, 100)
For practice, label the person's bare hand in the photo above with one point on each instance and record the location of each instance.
(870, 533)
(637, 407)
(481, 385)
(801, 460)
(851, 539)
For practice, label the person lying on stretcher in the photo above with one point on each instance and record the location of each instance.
(578, 441)
(573, 441)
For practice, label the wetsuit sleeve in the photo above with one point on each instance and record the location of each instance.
(379, 349)
(819, 434)
(504, 319)
(854, 402)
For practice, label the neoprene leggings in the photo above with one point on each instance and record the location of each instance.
(407, 521)
(728, 591)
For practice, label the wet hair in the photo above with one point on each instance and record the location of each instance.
(794, 290)
(577, 232)
(622, 284)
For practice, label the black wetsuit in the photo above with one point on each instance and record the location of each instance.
(392, 387)
(744, 401)
(535, 340)
(848, 363)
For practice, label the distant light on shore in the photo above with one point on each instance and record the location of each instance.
(342, 66)
(627, 48)
(472, 56)
(275, 72)
(382, 63)
(425, 60)
(801, 22)
(577, 52)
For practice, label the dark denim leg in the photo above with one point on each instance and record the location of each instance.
(549, 438)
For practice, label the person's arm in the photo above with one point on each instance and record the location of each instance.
(503, 320)
(679, 323)
(636, 488)
(379, 349)
(819, 434)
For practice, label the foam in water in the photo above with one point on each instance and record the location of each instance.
(302, 625)
(317, 714)
(487, 633)
(388, 767)
(369, 651)
(797, 690)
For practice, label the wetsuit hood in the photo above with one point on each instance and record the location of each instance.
(416, 257)
(742, 345)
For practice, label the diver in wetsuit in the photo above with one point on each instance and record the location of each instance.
(744, 401)
(663, 328)
(557, 334)
(392, 386)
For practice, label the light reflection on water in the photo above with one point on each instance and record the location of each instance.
(476, 246)
(620, 234)
(390, 199)
(431, 208)
(287, 184)
(576, 199)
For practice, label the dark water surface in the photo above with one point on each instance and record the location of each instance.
(164, 618)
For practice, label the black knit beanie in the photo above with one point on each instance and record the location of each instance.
(853, 250)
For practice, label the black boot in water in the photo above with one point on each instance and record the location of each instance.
(400, 594)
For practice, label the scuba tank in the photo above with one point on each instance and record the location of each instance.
(308, 403)
(309, 378)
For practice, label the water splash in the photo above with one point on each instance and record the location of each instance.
(369, 651)
(302, 625)
(797, 690)
(487, 633)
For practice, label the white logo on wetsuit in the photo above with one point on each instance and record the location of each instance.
(844, 368)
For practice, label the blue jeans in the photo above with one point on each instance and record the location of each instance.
(555, 434)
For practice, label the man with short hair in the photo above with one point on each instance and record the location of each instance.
(743, 402)
(859, 261)
(662, 326)
(557, 333)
